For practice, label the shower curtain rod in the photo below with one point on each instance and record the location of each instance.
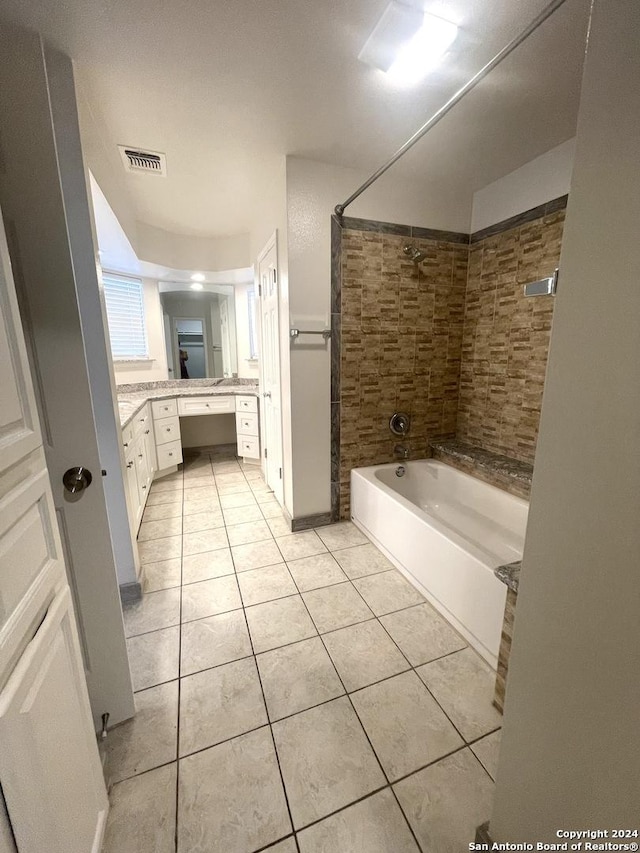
(459, 95)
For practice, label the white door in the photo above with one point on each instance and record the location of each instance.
(45, 206)
(50, 772)
(270, 367)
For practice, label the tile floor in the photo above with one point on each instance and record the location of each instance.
(294, 692)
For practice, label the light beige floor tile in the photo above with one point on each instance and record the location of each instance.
(334, 607)
(242, 514)
(271, 508)
(160, 511)
(236, 500)
(226, 468)
(422, 634)
(405, 724)
(264, 497)
(208, 598)
(147, 740)
(341, 535)
(363, 653)
(446, 802)
(266, 584)
(326, 760)
(315, 572)
(232, 478)
(162, 575)
(297, 677)
(160, 529)
(254, 555)
(209, 564)
(218, 704)
(213, 641)
(387, 592)
(277, 623)
(252, 473)
(156, 610)
(199, 505)
(198, 480)
(160, 549)
(198, 521)
(294, 546)
(279, 526)
(142, 814)
(375, 825)
(205, 540)
(234, 488)
(250, 531)
(163, 485)
(361, 560)
(164, 498)
(201, 493)
(154, 657)
(231, 798)
(464, 685)
(487, 751)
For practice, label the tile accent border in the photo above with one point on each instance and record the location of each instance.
(308, 522)
(505, 649)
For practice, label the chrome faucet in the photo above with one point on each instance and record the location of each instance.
(401, 452)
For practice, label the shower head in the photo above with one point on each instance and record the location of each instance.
(413, 253)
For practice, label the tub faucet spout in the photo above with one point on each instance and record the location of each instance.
(401, 452)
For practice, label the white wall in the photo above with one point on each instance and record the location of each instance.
(313, 190)
(154, 370)
(570, 753)
(246, 369)
(183, 251)
(545, 178)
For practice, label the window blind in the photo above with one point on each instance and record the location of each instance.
(124, 299)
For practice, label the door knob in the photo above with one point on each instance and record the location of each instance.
(266, 394)
(77, 479)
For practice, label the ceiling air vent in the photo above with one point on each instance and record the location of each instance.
(150, 162)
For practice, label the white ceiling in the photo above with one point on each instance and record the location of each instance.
(226, 87)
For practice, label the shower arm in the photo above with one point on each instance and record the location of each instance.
(459, 95)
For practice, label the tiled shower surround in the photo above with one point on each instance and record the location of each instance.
(451, 340)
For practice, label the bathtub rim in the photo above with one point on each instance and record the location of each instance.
(487, 558)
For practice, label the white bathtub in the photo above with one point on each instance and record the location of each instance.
(446, 531)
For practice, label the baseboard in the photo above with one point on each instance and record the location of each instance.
(130, 593)
(307, 522)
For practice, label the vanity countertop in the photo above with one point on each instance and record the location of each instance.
(131, 398)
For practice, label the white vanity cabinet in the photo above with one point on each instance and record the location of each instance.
(140, 461)
(166, 425)
(247, 427)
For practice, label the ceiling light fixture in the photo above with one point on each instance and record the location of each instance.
(197, 276)
(197, 286)
(407, 43)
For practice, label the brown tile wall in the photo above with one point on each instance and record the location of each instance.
(401, 345)
(505, 649)
(506, 337)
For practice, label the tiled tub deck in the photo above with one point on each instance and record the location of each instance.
(293, 691)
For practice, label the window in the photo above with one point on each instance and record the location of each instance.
(124, 299)
(251, 306)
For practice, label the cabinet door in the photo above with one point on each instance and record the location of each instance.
(49, 767)
(131, 481)
(142, 472)
(150, 450)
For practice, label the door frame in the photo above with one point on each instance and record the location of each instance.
(205, 343)
(272, 243)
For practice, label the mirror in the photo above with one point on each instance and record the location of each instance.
(200, 330)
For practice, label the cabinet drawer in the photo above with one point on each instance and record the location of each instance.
(141, 421)
(164, 409)
(169, 454)
(249, 446)
(246, 404)
(167, 429)
(247, 424)
(205, 405)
